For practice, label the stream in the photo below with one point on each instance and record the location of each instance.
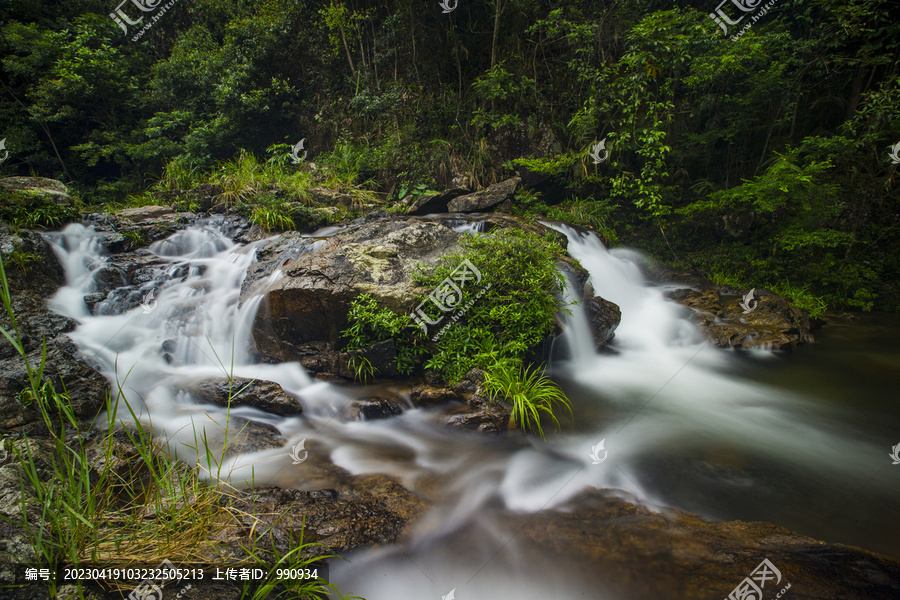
(797, 439)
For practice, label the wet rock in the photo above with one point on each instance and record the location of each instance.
(773, 321)
(487, 198)
(374, 407)
(365, 511)
(247, 435)
(266, 396)
(30, 290)
(108, 278)
(304, 311)
(434, 203)
(617, 543)
(603, 317)
(38, 190)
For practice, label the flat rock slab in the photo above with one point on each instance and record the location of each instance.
(772, 323)
(50, 190)
(630, 552)
(487, 198)
(146, 213)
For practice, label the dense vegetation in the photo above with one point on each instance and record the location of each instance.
(761, 161)
(497, 327)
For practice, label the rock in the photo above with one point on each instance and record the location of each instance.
(434, 203)
(108, 278)
(603, 317)
(142, 214)
(487, 198)
(29, 293)
(266, 396)
(424, 394)
(37, 189)
(304, 312)
(364, 511)
(616, 543)
(774, 322)
(374, 407)
(247, 435)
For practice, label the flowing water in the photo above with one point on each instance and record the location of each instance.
(788, 439)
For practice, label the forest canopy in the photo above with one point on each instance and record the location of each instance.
(762, 159)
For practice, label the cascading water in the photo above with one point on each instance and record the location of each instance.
(668, 406)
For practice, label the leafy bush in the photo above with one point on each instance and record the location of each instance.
(515, 314)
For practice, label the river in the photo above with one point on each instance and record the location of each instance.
(797, 439)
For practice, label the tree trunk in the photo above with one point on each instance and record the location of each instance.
(496, 34)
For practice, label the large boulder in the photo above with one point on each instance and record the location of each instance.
(37, 190)
(307, 286)
(772, 322)
(303, 312)
(487, 198)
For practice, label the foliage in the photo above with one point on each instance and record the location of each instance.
(529, 390)
(388, 97)
(272, 214)
(371, 325)
(518, 302)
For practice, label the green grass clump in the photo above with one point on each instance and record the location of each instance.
(530, 391)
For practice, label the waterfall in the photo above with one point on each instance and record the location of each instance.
(677, 414)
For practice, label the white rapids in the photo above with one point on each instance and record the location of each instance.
(663, 391)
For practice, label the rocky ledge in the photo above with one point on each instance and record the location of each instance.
(766, 320)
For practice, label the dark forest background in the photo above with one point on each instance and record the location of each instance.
(760, 162)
